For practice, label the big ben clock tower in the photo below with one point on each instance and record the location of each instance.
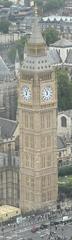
(37, 119)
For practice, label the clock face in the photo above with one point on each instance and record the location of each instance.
(26, 92)
(47, 93)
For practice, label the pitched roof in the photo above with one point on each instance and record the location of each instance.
(69, 57)
(36, 37)
(60, 143)
(7, 127)
(58, 18)
(43, 62)
(67, 113)
(4, 71)
(53, 57)
(37, 56)
(62, 43)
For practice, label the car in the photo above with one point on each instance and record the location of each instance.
(43, 226)
(34, 229)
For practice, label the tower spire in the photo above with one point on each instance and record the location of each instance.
(36, 37)
(17, 64)
(36, 12)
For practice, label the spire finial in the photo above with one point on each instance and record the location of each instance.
(36, 10)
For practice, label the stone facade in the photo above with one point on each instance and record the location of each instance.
(9, 179)
(37, 121)
(64, 124)
(64, 151)
(9, 163)
(64, 131)
(8, 92)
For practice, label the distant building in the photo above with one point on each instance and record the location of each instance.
(9, 163)
(63, 24)
(64, 151)
(63, 47)
(68, 8)
(27, 3)
(64, 125)
(4, 13)
(68, 61)
(17, 65)
(8, 92)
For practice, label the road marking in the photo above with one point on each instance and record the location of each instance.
(9, 237)
(24, 230)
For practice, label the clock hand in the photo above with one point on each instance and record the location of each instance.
(47, 92)
(26, 92)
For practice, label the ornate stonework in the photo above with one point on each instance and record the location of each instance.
(37, 118)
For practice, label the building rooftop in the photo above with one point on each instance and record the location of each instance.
(67, 113)
(53, 57)
(7, 128)
(53, 18)
(4, 71)
(62, 43)
(36, 37)
(60, 143)
(37, 56)
(69, 57)
(6, 212)
(42, 63)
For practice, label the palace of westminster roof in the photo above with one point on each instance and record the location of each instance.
(4, 71)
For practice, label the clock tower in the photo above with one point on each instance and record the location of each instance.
(37, 119)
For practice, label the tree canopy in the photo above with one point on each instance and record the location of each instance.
(64, 171)
(64, 90)
(54, 4)
(6, 3)
(4, 26)
(50, 5)
(50, 35)
(19, 44)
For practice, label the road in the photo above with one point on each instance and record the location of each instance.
(20, 232)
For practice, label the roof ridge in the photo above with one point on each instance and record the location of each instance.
(7, 119)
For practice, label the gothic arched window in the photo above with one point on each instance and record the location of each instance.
(63, 122)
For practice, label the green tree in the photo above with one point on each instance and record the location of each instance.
(39, 2)
(64, 90)
(55, 3)
(65, 171)
(50, 35)
(51, 5)
(4, 26)
(66, 190)
(6, 3)
(19, 44)
(12, 54)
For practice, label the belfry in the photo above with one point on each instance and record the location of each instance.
(37, 120)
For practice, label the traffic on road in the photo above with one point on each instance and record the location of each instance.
(49, 225)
